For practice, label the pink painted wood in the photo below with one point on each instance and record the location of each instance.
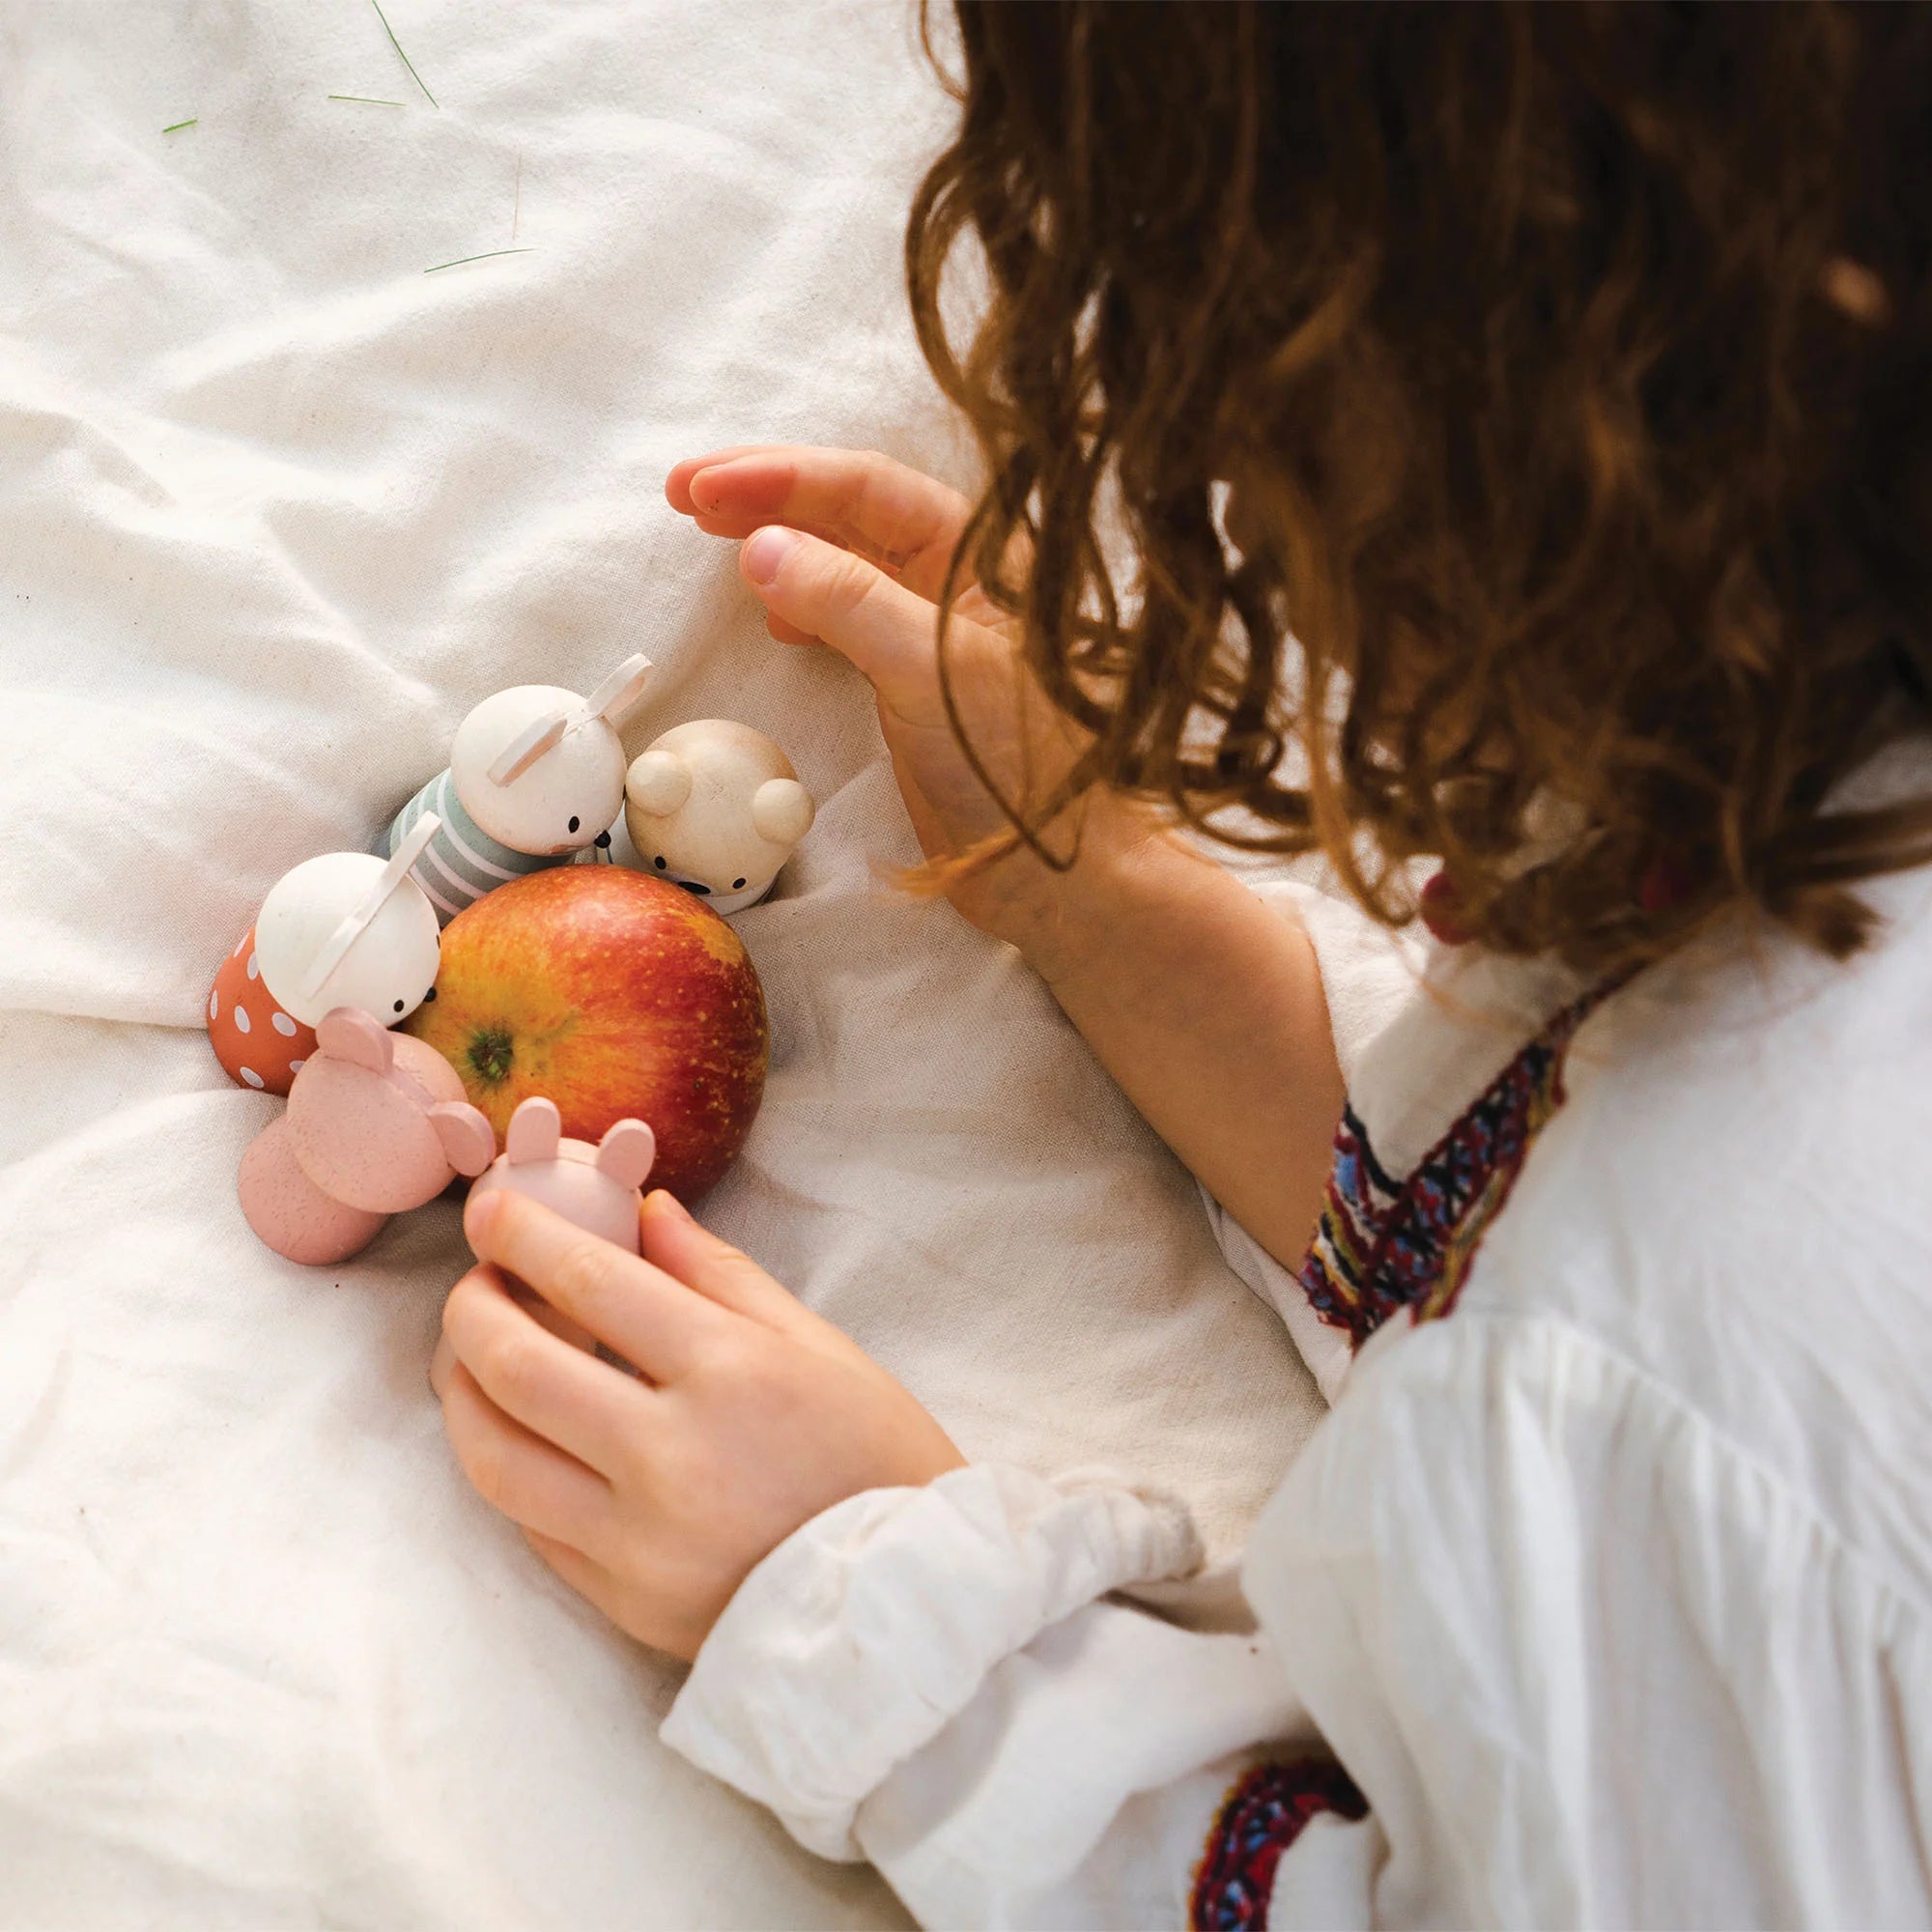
(376, 1123)
(597, 1187)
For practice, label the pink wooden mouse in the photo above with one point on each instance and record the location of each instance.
(376, 1123)
(597, 1187)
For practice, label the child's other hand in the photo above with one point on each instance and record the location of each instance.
(850, 549)
(655, 1497)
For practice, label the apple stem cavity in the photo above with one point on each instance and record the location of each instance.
(492, 1053)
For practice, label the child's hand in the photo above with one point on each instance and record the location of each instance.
(655, 1497)
(851, 550)
(1198, 997)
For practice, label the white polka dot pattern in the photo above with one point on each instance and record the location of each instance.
(250, 1026)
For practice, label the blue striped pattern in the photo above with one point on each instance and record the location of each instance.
(461, 862)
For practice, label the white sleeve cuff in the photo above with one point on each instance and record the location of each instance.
(861, 1636)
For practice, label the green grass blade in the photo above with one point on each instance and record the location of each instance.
(398, 46)
(487, 255)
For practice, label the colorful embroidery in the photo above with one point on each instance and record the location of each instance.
(1259, 1818)
(1383, 1245)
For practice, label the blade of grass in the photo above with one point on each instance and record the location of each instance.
(398, 46)
(368, 99)
(194, 120)
(487, 255)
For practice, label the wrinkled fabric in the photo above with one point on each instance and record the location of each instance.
(277, 508)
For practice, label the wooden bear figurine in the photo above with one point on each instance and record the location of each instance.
(535, 776)
(376, 1123)
(341, 930)
(597, 1187)
(716, 808)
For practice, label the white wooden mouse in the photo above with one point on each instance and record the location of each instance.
(597, 1187)
(345, 929)
(716, 808)
(535, 776)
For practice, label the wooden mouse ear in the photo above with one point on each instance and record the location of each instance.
(626, 1153)
(356, 922)
(658, 782)
(535, 1129)
(469, 1143)
(782, 811)
(540, 735)
(617, 695)
(348, 1033)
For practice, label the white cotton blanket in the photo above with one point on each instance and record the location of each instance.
(275, 508)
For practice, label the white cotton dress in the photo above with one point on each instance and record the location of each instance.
(1599, 1598)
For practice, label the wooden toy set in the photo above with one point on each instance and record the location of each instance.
(348, 947)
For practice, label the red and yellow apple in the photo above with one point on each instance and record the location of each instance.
(611, 993)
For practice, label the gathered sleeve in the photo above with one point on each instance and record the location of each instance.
(941, 1681)
(1536, 1647)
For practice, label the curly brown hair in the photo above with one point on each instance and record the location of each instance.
(1557, 379)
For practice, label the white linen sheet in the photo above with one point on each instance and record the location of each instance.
(277, 507)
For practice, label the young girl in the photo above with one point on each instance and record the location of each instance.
(1516, 422)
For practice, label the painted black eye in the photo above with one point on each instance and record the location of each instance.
(658, 862)
(573, 824)
(399, 1006)
(428, 996)
(737, 885)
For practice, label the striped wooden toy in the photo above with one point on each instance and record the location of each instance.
(542, 768)
(461, 862)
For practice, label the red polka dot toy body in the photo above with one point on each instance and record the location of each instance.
(258, 1044)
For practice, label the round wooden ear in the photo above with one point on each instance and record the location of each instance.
(468, 1142)
(782, 811)
(658, 782)
(535, 1129)
(348, 1033)
(626, 1153)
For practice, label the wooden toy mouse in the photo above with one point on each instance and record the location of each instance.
(598, 1187)
(716, 808)
(535, 776)
(346, 929)
(376, 1123)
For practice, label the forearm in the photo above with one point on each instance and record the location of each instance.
(1205, 1004)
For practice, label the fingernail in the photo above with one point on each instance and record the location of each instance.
(662, 1200)
(479, 1212)
(765, 553)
